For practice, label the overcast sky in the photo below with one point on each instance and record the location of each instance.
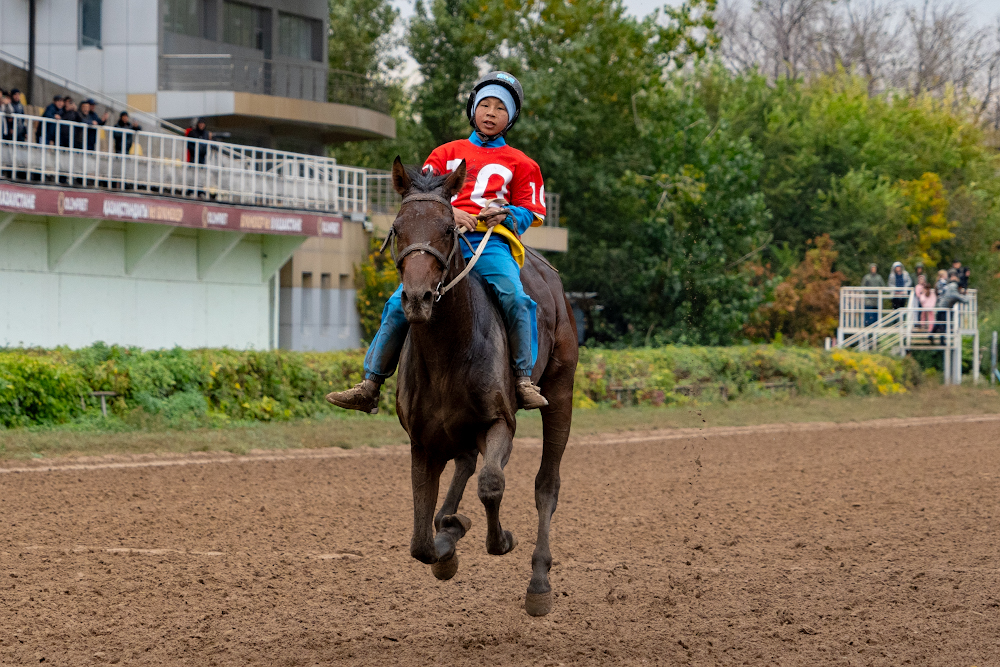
(982, 11)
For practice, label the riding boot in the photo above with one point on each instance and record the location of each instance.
(362, 396)
(529, 397)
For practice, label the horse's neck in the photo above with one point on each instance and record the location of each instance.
(440, 341)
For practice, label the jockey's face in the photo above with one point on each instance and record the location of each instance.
(491, 116)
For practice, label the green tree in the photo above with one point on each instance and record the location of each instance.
(360, 39)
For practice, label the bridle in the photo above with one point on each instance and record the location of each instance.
(457, 237)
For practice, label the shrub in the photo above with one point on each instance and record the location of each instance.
(36, 390)
(187, 388)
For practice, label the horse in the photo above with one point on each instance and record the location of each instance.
(455, 395)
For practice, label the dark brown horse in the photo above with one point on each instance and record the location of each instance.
(455, 394)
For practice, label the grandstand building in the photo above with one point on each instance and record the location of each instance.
(154, 239)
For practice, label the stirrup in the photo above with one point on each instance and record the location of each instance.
(362, 397)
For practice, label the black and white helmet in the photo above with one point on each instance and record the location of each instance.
(504, 80)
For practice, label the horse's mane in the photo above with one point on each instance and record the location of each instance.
(424, 181)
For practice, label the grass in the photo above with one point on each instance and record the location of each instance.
(349, 430)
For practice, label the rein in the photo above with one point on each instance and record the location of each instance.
(445, 262)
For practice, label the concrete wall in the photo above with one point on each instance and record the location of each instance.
(317, 292)
(126, 63)
(318, 318)
(90, 297)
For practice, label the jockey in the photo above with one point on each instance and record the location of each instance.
(496, 171)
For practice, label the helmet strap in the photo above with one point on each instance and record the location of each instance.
(486, 138)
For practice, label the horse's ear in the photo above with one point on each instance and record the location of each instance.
(455, 181)
(400, 179)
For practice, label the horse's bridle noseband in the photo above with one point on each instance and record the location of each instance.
(456, 234)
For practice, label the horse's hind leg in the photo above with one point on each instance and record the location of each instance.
(556, 420)
(496, 448)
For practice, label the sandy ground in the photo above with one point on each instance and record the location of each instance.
(817, 544)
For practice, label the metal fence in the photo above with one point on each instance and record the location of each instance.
(877, 302)
(383, 198)
(56, 151)
(357, 90)
(224, 71)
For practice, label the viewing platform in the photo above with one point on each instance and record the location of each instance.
(890, 320)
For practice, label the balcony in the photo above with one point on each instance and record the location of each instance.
(66, 153)
(243, 92)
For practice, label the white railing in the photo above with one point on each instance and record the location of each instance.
(877, 303)
(68, 153)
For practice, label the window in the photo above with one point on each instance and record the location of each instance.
(90, 24)
(182, 16)
(299, 37)
(243, 25)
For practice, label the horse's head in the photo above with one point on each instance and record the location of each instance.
(425, 235)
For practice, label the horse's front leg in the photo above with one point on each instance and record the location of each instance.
(465, 467)
(495, 447)
(425, 474)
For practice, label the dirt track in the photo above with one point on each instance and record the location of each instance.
(872, 545)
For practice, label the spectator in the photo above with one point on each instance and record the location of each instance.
(963, 279)
(872, 279)
(69, 135)
(6, 121)
(898, 277)
(928, 299)
(199, 131)
(53, 111)
(18, 106)
(90, 117)
(946, 302)
(942, 282)
(918, 271)
(123, 138)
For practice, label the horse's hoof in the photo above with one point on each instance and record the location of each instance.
(460, 521)
(538, 604)
(446, 569)
(511, 539)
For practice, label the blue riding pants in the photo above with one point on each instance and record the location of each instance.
(498, 267)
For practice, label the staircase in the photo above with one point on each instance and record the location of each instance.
(880, 327)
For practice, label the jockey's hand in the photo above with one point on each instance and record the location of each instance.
(492, 216)
(463, 219)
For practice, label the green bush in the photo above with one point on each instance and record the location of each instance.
(36, 390)
(674, 374)
(188, 388)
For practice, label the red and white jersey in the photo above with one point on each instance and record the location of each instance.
(493, 173)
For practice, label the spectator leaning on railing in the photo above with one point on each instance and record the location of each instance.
(90, 117)
(872, 279)
(946, 301)
(198, 131)
(18, 106)
(6, 117)
(898, 277)
(68, 134)
(123, 138)
(54, 111)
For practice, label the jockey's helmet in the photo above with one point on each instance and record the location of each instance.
(503, 86)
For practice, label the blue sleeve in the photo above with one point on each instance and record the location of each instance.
(522, 218)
